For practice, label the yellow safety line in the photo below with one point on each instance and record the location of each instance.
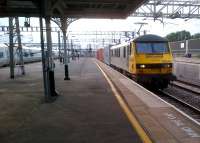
(135, 124)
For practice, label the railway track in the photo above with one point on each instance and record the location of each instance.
(186, 86)
(187, 83)
(188, 107)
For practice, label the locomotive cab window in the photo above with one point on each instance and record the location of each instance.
(152, 48)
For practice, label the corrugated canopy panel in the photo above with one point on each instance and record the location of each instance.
(70, 8)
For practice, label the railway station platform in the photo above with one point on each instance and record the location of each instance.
(85, 112)
(98, 105)
(162, 122)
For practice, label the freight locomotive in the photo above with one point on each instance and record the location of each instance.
(146, 59)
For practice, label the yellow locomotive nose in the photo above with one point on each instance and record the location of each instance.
(158, 68)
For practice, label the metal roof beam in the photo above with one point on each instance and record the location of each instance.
(169, 9)
(75, 8)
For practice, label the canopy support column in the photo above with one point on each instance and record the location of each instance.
(21, 60)
(50, 60)
(59, 47)
(66, 58)
(11, 48)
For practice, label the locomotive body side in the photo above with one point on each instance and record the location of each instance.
(119, 56)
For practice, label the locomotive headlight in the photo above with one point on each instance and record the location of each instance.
(142, 66)
(167, 65)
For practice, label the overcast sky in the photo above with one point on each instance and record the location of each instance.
(128, 24)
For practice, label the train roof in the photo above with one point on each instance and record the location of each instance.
(150, 38)
(30, 48)
(3, 45)
(120, 45)
(24, 47)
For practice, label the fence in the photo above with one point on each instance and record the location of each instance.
(186, 47)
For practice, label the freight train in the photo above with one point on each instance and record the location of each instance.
(30, 54)
(146, 59)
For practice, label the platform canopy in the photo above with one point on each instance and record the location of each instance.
(70, 8)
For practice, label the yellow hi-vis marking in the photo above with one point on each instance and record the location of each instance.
(135, 124)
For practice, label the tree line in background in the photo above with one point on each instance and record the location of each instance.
(181, 35)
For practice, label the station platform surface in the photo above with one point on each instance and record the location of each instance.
(162, 122)
(85, 112)
(89, 109)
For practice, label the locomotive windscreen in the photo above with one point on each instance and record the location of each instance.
(152, 48)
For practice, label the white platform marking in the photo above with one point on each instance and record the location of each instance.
(181, 125)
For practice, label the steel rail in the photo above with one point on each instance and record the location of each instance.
(187, 84)
(195, 109)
